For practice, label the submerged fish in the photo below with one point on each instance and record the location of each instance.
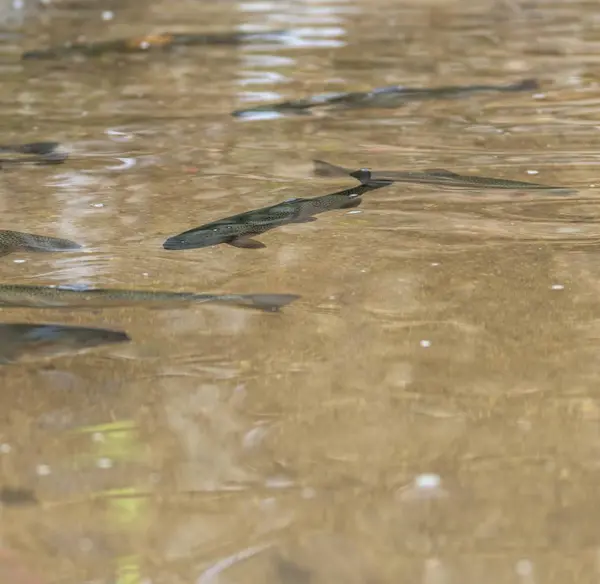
(29, 342)
(238, 229)
(14, 496)
(11, 241)
(383, 97)
(71, 297)
(433, 176)
(32, 152)
(159, 41)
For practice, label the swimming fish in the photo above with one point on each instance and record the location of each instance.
(238, 229)
(15, 496)
(32, 152)
(383, 97)
(11, 241)
(78, 297)
(29, 342)
(145, 43)
(433, 176)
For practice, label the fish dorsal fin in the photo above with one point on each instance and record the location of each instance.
(439, 172)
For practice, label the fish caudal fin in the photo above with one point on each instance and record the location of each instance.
(322, 168)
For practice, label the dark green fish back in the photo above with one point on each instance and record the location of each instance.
(150, 42)
(383, 97)
(433, 176)
(65, 297)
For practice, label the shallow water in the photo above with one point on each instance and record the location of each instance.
(427, 412)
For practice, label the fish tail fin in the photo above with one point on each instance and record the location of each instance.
(266, 302)
(322, 168)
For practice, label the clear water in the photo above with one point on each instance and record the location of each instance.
(428, 412)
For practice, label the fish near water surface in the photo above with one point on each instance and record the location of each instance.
(16, 497)
(238, 230)
(383, 97)
(11, 241)
(433, 176)
(162, 41)
(32, 152)
(30, 342)
(72, 297)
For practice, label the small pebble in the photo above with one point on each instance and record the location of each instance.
(308, 493)
(86, 545)
(524, 568)
(104, 463)
(18, 261)
(425, 343)
(533, 172)
(43, 470)
(5, 448)
(557, 287)
(428, 481)
(108, 15)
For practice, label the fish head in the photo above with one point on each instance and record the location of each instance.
(205, 236)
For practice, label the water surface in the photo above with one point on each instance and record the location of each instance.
(427, 412)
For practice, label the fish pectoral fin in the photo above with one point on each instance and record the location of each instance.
(246, 243)
(439, 172)
(351, 203)
(304, 220)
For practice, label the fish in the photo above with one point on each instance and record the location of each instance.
(11, 241)
(383, 97)
(238, 229)
(32, 341)
(81, 297)
(32, 152)
(432, 176)
(15, 496)
(150, 42)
